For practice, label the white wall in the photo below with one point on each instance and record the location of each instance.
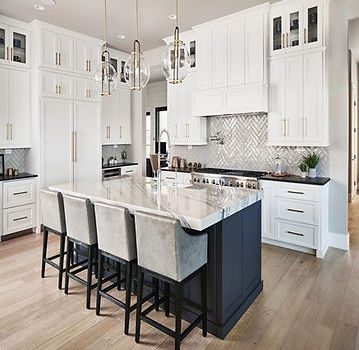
(338, 120)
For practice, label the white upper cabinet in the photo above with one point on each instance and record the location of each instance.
(85, 89)
(87, 57)
(116, 117)
(232, 64)
(57, 51)
(14, 46)
(296, 25)
(56, 85)
(15, 110)
(297, 113)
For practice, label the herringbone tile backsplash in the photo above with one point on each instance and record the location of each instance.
(16, 159)
(245, 147)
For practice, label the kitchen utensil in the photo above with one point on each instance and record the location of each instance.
(278, 167)
(16, 172)
(10, 172)
(183, 163)
(124, 155)
(175, 162)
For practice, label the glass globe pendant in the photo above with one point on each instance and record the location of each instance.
(176, 59)
(137, 70)
(106, 76)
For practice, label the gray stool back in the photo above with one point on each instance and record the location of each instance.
(52, 209)
(80, 219)
(165, 248)
(115, 231)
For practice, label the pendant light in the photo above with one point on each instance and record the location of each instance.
(176, 60)
(137, 70)
(106, 75)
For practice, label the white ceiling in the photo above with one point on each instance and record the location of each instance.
(86, 16)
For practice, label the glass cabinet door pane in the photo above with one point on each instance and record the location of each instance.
(192, 54)
(312, 24)
(277, 33)
(294, 29)
(2, 44)
(122, 72)
(19, 48)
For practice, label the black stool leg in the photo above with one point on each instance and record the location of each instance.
(178, 314)
(99, 283)
(167, 299)
(155, 288)
(118, 266)
(139, 303)
(89, 277)
(68, 258)
(204, 299)
(61, 262)
(128, 295)
(44, 252)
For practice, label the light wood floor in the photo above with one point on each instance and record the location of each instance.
(306, 304)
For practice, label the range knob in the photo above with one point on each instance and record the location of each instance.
(207, 181)
(221, 182)
(237, 184)
(213, 182)
(249, 185)
(204, 181)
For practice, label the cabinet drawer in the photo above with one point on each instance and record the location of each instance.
(18, 219)
(18, 193)
(298, 192)
(299, 211)
(296, 234)
(129, 170)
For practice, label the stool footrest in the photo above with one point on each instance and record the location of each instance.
(80, 280)
(159, 326)
(194, 324)
(152, 306)
(82, 268)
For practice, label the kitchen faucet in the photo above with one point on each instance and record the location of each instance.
(163, 131)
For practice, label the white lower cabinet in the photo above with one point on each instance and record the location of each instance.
(18, 205)
(129, 170)
(295, 216)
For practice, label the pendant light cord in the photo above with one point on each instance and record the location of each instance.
(177, 13)
(105, 24)
(137, 19)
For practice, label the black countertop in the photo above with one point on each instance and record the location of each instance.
(120, 164)
(319, 181)
(180, 170)
(17, 177)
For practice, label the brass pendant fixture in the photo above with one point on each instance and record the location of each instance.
(137, 71)
(176, 60)
(106, 74)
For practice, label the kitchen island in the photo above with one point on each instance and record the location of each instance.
(230, 216)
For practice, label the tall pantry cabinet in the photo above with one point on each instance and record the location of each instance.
(67, 133)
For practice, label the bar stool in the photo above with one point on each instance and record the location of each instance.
(117, 241)
(81, 230)
(53, 218)
(167, 252)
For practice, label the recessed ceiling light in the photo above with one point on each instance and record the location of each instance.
(172, 16)
(49, 2)
(39, 7)
(121, 36)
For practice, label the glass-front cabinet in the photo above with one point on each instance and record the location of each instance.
(14, 46)
(295, 26)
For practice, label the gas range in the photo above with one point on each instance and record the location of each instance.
(228, 177)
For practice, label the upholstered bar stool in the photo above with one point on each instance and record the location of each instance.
(117, 241)
(166, 251)
(81, 230)
(53, 218)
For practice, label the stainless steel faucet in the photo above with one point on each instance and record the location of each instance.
(163, 131)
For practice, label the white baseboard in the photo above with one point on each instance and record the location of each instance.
(338, 240)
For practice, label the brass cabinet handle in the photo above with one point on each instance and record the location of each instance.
(7, 53)
(89, 65)
(60, 89)
(295, 233)
(74, 146)
(18, 193)
(56, 59)
(305, 35)
(10, 131)
(109, 132)
(283, 44)
(57, 89)
(120, 132)
(296, 210)
(284, 127)
(7, 131)
(287, 36)
(59, 58)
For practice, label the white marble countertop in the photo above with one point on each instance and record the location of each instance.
(196, 206)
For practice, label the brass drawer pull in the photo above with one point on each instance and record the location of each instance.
(295, 233)
(22, 218)
(295, 192)
(18, 193)
(296, 210)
